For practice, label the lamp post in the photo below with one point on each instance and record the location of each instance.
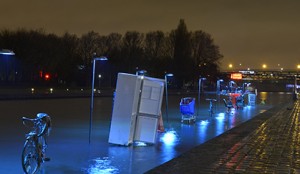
(231, 86)
(92, 95)
(7, 53)
(199, 91)
(219, 89)
(218, 85)
(166, 86)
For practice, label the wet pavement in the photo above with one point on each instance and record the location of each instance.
(268, 143)
(69, 147)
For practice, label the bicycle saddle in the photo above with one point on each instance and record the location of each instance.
(41, 115)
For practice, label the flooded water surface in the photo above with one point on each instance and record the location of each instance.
(69, 147)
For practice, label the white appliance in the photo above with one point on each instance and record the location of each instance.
(136, 110)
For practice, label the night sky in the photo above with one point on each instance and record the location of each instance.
(249, 33)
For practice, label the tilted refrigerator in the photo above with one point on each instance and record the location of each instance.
(136, 110)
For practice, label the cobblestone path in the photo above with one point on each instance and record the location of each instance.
(272, 148)
(269, 143)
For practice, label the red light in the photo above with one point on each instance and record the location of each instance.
(47, 76)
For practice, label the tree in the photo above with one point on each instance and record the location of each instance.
(182, 54)
(70, 62)
(205, 53)
(132, 51)
(88, 45)
(187, 55)
(154, 51)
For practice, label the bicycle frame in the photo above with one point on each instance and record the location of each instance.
(35, 145)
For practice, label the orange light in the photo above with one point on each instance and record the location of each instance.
(236, 76)
(47, 76)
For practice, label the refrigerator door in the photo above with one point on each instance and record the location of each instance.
(146, 129)
(149, 110)
(125, 109)
(151, 97)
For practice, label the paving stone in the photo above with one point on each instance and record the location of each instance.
(272, 147)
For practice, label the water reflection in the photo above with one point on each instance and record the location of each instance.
(263, 97)
(167, 144)
(220, 123)
(170, 138)
(101, 166)
(202, 126)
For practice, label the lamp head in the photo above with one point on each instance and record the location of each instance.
(169, 75)
(101, 58)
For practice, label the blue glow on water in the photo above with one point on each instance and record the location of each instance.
(220, 117)
(202, 126)
(220, 123)
(101, 166)
(204, 122)
(169, 138)
(140, 144)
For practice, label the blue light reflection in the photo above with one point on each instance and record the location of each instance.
(203, 125)
(101, 166)
(220, 124)
(170, 138)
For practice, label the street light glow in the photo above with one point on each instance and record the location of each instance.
(7, 52)
(169, 75)
(264, 66)
(100, 58)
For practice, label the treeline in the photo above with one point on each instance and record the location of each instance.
(188, 55)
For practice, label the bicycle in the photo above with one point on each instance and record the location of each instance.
(211, 106)
(33, 154)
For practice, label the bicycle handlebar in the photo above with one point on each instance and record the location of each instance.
(41, 122)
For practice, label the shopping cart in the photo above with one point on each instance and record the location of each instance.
(187, 109)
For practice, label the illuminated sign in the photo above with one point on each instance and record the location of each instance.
(236, 76)
(247, 72)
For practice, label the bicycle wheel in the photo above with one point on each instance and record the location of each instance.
(30, 157)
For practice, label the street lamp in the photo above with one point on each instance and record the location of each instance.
(7, 52)
(199, 90)
(141, 72)
(218, 85)
(231, 83)
(92, 96)
(166, 85)
(219, 89)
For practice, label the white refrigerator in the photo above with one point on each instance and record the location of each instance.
(136, 110)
